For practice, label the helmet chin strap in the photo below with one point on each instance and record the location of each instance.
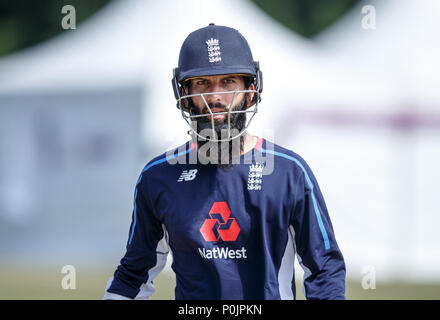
(229, 112)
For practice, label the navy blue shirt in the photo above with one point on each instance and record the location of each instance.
(233, 233)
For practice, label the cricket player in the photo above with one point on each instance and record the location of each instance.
(234, 209)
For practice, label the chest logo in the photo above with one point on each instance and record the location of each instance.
(220, 225)
(255, 177)
(187, 175)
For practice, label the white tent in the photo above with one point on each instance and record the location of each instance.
(401, 52)
(397, 141)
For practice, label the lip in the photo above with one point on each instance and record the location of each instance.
(216, 116)
(214, 110)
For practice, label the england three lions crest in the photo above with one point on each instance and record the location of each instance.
(214, 53)
(255, 177)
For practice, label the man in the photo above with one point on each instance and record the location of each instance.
(233, 208)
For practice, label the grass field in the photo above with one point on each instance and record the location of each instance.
(90, 284)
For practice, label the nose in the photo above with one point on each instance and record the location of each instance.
(214, 97)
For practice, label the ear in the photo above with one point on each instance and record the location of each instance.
(184, 92)
(250, 101)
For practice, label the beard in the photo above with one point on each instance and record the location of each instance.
(221, 154)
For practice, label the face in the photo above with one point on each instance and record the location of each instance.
(209, 98)
(217, 101)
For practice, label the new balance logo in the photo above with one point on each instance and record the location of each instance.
(187, 175)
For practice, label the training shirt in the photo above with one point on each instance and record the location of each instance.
(233, 233)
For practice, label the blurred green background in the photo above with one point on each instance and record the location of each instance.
(26, 23)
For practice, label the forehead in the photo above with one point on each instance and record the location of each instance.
(217, 77)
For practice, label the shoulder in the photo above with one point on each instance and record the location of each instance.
(291, 162)
(285, 156)
(159, 165)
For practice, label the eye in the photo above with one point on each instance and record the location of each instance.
(228, 80)
(201, 82)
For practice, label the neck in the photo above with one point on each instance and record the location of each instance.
(249, 142)
(222, 150)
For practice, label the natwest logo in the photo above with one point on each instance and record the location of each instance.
(220, 225)
(222, 253)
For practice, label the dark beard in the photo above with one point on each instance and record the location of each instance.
(227, 153)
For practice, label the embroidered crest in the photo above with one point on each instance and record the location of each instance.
(214, 53)
(255, 177)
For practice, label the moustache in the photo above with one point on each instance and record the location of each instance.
(217, 107)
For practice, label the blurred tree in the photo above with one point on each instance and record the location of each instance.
(306, 17)
(24, 23)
